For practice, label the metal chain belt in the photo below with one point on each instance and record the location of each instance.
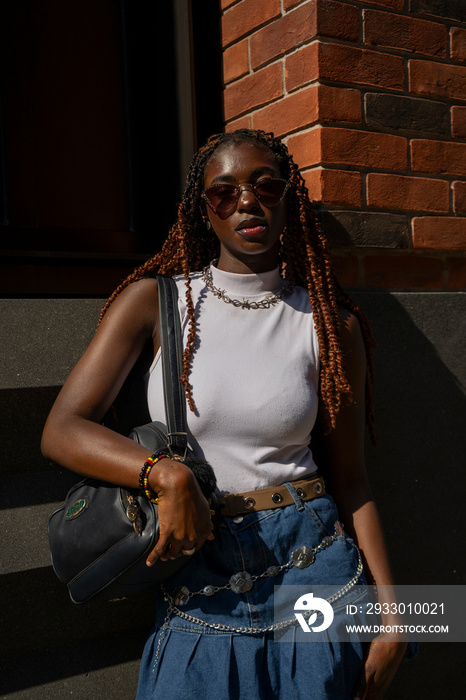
(241, 582)
(271, 628)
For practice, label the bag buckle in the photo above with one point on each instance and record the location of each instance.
(173, 455)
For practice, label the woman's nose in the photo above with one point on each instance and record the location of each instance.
(247, 197)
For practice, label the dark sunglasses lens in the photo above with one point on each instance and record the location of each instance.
(270, 192)
(222, 197)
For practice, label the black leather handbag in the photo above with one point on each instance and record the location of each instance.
(100, 538)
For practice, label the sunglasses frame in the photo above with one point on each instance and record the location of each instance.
(239, 189)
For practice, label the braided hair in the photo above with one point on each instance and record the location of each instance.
(303, 260)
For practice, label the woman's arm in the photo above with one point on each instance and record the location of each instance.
(346, 478)
(74, 437)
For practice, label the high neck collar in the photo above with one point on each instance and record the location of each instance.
(251, 285)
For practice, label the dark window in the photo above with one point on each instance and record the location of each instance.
(98, 109)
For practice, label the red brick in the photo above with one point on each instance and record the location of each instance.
(348, 64)
(246, 16)
(410, 193)
(242, 123)
(346, 269)
(437, 80)
(302, 67)
(458, 122)
(438, 157)
(387, 111)
(314, 184)
(392, 4)
(224, 4)
(341, 105)
(342, 187)
(366, 229)
(253, 91)
(235, 62)
(458, 44)
(323, 17)
(406, 33)
(293, 112)
(445, 9)
(284, 34)
(335, 146)
(306, 147)
(459, 197)
(403, 272)
(344, 64)
(457, 273)
(337, 20)
(317, 103)
(289, 4)
(439, 232)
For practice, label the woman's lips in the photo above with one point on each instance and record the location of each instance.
(253, 231)
(251, 228)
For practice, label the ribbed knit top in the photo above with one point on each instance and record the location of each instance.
(254, 376)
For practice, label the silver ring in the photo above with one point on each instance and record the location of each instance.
(188, 552)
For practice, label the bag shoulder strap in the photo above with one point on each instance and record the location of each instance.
(172, 364)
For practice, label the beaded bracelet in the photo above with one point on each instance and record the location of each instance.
(144, 475)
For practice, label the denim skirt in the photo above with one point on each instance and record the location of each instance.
(215, 635)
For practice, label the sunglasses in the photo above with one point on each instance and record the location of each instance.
(223, 198)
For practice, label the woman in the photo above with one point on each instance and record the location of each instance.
(270, 342)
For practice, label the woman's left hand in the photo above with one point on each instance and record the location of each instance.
(381, 664)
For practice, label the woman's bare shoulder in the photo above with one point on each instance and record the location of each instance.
(351, 335)
(136, 306)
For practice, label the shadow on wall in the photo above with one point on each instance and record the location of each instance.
(53, 648)
(418, 469)
(50, 648)
(417, 472)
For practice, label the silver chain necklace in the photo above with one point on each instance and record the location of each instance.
(266, 303)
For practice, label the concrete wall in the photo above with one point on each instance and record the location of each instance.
(418, 472)
(51, 648)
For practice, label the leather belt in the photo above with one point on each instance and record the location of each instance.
(275, 497)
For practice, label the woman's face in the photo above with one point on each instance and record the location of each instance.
(249, 236)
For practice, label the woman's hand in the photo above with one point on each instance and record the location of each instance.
(382, 661)
(184, 512)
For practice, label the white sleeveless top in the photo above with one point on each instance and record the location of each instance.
(254, 376)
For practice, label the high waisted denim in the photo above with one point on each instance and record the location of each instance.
(184, 660)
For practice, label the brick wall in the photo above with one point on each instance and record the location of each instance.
(371, 99)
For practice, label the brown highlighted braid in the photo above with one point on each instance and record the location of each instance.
(303, 260)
